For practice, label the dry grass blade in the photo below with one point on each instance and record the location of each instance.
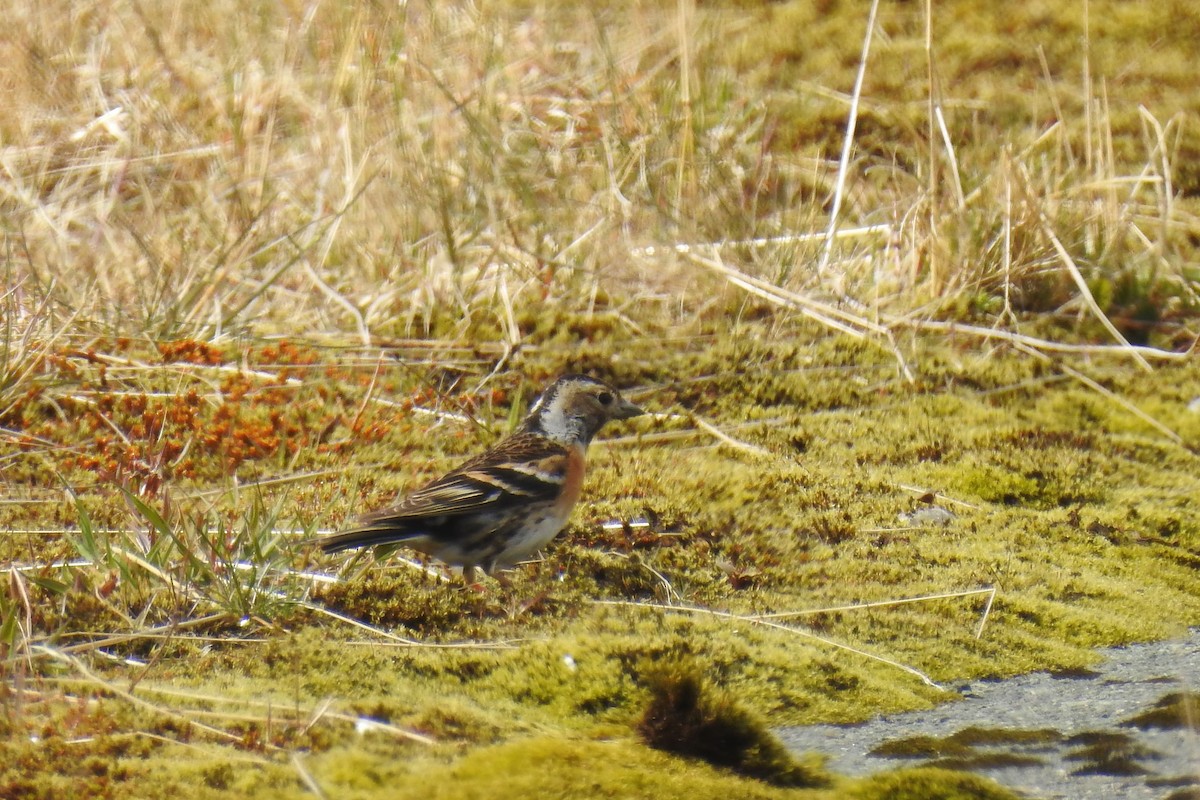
(1107, 393)
(660, 437)
(824, 313)
(351, 621)
(205, 751)
(1121, 401)
(107, 686)
(882, 229)
(306, 777)
(920, 492)
(959, 198)
(321, 711)
(394, 640)
(990, 590)
(724, 438)
(848, 140)
(1035, 343)
(987, 610)
(156, 632)
(1087, 296)
(755, 620)
(852, 324)
(141, 367)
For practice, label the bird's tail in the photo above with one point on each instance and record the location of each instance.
(366, 536)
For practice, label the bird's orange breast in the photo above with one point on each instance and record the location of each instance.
(573, 481)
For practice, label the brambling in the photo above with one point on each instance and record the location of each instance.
(510, 501)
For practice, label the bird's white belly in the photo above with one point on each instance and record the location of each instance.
(533, 536)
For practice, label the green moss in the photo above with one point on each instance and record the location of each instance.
(984, 737)
(977, 762)
(1173, 711)
(1108, 753)
(921, 747)
(928, 783)
(548, 767)
(966, 750)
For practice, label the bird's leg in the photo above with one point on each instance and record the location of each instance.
(473, 578)
(470, 576)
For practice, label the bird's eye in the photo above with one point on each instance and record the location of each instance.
(605, 398)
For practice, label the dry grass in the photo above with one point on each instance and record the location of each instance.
(211, 171)
(247, 245)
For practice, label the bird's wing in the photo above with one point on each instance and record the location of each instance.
(524, 468)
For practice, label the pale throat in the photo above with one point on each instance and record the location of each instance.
(556, 423)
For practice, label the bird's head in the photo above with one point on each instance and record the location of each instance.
(575, 407)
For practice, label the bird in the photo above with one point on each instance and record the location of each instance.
(508, 502)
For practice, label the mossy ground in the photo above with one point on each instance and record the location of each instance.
(265, 267)
(1083, 529)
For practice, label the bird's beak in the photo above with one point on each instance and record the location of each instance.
(626, 410)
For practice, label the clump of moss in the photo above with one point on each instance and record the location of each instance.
(689, 718)
(453, 720)
(1108, 753)
(1173, 711)
(930, 784)
(987, 761)
(984, 737)
(961, 742)
(921, 747)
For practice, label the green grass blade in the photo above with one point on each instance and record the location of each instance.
(84, 541)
